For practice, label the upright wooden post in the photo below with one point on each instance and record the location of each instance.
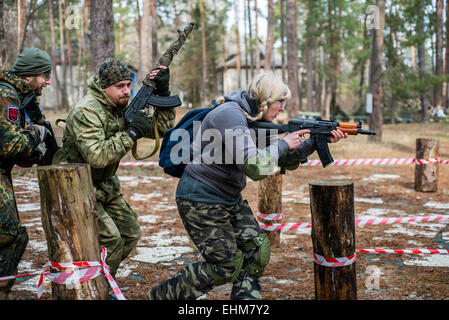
(69, 219)
(426, 175)
(333, 237)
(270, 201)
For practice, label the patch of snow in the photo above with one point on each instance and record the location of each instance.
(430, 260)
(125, 270)
(436, 205)
(369, 200)
(37, 246)
(146, 197)
(159, 254)
(149, 218)
(376, 177)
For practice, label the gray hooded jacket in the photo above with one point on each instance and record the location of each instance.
(227, 150)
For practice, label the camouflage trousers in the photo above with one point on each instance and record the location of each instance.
(13, 236)
(219, 232)
(119, 230)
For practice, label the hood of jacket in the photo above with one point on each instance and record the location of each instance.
(242, 98)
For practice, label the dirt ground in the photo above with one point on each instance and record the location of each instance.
(379, 191)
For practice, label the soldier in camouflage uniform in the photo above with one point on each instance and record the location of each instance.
(209, 200)
(96, 133)
(18, 146)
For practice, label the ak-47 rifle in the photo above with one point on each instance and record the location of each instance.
(145, 97)
(320, 132)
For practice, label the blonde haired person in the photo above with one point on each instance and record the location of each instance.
(208, 196)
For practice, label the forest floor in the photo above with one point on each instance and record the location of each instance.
(379, 191)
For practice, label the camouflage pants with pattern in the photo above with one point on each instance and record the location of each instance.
(119, 230)
(13, 236)
(219, 232)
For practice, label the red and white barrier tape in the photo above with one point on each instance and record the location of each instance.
(270, 216)
(358, 222)
(84, 270)
(338, 162)
(377, 162)
(139, 164)
(346, 261)
(406, 251)
(333, 262)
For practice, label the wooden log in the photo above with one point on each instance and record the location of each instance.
(270, 201)
(69, 219)
(426, 175)
(333, 236)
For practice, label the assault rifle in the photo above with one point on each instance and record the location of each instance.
(29, 103)
(145, 97)
(320, 132)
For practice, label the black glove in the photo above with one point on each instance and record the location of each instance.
(141, 126)
(162, 81)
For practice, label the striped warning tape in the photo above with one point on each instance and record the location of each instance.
(333, 262)
(338, 162)
(73, 273)
(406, 251)
(358, 222)
(346, 261)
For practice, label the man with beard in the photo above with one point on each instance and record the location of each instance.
(96, 133)
(19, 145)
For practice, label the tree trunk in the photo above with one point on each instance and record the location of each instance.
(257, 38)
(138, 24)
(203, 54)
(422, 59)
(292, 56)
(154, 49)
(310, 54)
(375, 119)
(270, 35)
(57, 89)
(69, 59)
(21, 22)
(64, 97)
(69, 219)
(446, 100)
(102, 42)
(426, 175)
(3, 36)
(238, 55)
(251, 46)
(438, 93)
(333, 236)
(270, 201)
(282, 27)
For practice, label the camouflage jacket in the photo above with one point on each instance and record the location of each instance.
(16, 143)
(95, 134)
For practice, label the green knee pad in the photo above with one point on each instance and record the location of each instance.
(263, 255)
(237, 263)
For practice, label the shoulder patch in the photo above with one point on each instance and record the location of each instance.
(13, 113)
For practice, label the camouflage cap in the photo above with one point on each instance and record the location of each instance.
(112, 71)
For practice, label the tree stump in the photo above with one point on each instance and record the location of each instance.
(333, 236)
(270, 201)
(426, 175)
(69, 219)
